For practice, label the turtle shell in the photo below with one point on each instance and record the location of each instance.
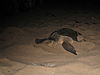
(66, 32)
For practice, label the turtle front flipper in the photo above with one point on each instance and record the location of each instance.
(38, 41)
(67, 46)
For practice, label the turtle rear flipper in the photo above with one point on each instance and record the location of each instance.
(67, 46)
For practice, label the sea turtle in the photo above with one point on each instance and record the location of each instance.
(64, 36)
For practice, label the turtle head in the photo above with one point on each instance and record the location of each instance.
(80, 38)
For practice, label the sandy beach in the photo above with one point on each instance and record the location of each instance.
(20, 55)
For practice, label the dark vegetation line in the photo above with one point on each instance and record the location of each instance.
(9, 7)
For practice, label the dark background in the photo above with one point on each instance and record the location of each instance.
(9, 7)
(13, 11)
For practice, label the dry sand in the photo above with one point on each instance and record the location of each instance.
(21, 56)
